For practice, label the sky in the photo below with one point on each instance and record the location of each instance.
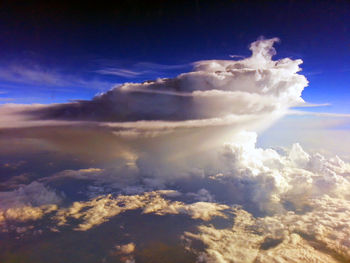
(222, 126)
(55, 52)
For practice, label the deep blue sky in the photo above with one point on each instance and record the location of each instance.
(53, 52)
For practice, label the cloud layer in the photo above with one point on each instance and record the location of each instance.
(284, 206)
(186, 147)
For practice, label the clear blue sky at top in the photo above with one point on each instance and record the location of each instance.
(55, 52)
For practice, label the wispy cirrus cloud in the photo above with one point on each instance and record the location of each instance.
(319, 114)
(140, 69)
(121, 72)
(42, 77)
(236, 56)
(311, 105)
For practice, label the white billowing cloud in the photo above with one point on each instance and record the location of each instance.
(198, 210)
(23, 214)
(256, 87)
(229, 245)
(272, 239)
(140, 122)
(98, 210)
(327, 224)
(269, 180)
(306, 197)
(294, 249)
(217, 88)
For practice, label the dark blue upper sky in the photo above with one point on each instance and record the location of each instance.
(55, 51)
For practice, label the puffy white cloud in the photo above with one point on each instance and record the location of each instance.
(139, 122)
(230, 245)
(328, 224)
(100, 209)
(255, 86)
(28, 202)
(270, 179)
(294, 249)
(266, 240)
(305, 197)
(25, 213)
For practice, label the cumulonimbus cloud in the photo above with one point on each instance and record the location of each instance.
(204, 107)
(189, 134)
(215, 88)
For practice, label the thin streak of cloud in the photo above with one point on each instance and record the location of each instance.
(120, 72)
(311, 105)
(140, 69)
(318, 114)
(48, 78)
(236, 56)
